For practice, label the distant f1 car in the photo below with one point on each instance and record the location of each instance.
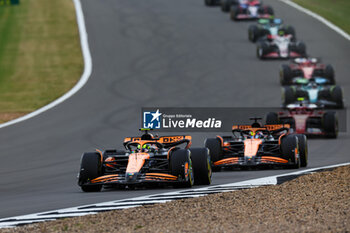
(314, 92)
(146, 160)
(257, 145)
(249, 9)
(280, 46)
(306, 119)
(306, 68)
(246, 9)
(266, 27)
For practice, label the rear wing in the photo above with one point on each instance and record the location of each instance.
(163, 140)
(276, 127)
(265, 127)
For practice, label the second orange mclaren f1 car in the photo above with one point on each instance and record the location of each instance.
(146, 160)
(256, 145)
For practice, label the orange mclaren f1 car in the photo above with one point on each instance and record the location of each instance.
(146, 160)
(255, 145)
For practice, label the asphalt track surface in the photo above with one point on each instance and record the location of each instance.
(153, 53)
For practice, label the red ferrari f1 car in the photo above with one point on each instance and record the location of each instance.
(307, 68)
(146, 160)
(306, 119)
(257, 145)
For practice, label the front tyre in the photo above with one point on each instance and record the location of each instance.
(289, 149)
(253, 33)
(215, 151)
(261, 49)
(337, 96)
(90, 168)
(286, 75)
(181, 166)
(225, 5)
(329, 74)
(288, 96)
(201, 166)
(303, 149)
(330, 124)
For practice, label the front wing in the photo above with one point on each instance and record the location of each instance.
(135, 179)
(250, 162)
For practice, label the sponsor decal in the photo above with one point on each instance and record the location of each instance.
(205, 119)
(152, 120)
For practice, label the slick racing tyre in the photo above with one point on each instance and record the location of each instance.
(181, 166)
(272, 118)
(289, 145)
(234, 11)
(337, 96)
(329, 74)
(209, 2)
(269, 10)
(330, 124)
(286, 75)
(288, 96)
(215, 151)
(289, 30)
(261, 49)
(253, 33)
(303, 150)
(201, 166)
(90, 168)
(301, 49)
(225, 5)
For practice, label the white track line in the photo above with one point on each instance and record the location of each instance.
(84, 78)
(148, 199)
(318, 17)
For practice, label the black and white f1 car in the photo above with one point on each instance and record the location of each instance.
(280, 46)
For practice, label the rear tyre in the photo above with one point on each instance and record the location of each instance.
(286, 75)
(330, 124)
(288, 146)
(272, 118)
(181, 166)
(90, 168)
(215, 151)
(303, 149)
(201, 166)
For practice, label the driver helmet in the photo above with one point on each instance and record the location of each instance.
(144, 148)
(259, 135)
(312, 85)
(281, 32)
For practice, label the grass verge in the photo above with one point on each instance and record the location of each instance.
(40, 55)
(336, 11)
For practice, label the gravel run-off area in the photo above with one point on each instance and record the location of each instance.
(319, 202)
